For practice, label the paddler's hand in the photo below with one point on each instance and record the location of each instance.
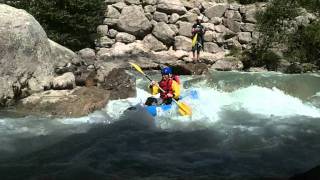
(153, 83)
(169, 95)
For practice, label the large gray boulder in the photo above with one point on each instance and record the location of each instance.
(227, 64)
(133, 21)
(171, 6)
(125, 37)
(112, 12)
(65, 81)
(121, 84)
(61, 55)
(185, 28)
(182, 43)
(24, 53)
(164, 33)
(153, 43)
(216, 10)
(65, 103)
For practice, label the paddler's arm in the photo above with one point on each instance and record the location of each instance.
(175, 89)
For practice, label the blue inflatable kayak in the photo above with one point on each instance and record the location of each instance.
(157, 110)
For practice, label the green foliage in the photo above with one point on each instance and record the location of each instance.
(312, 5)
(278, 31)
(257, 58)
(250, 1)
(71, 23)
(305, 44)
(234, 51)
(274, 22)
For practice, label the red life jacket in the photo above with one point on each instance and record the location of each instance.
(166, 85)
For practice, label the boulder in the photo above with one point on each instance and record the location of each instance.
(211, 47)
(153, 43)
(185, 29)
(171, 6)
(121, 84)
(247, 27)
(245, 37)
(121, 50)
(160, 17)
(86, 78)
(65, 81)
(210, 58)
(232, 25)
(208, 36)
(125, 37)
(189, 17)
(133, 21)
(149, 9)
(25, 53)
(112, 12)
(174, 18)
(112, 1)
(119, 5)
(193, 69)
(136, 2)
(227, 64)
(103, 30)
(250, 15)
(174, 28)
(87, 54)
(233, 15)
(112, 33)
(65, 103)
(149, 2)
(110, 21)
(164, 33)
(62, 55)
(182, 43)
(216, 10)
(105, 41)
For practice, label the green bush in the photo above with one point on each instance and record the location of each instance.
(305, 44)
(273, 24)
(71, 23)
(250, 1)
(257, 58)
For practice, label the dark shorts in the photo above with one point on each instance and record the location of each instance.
(197, 47)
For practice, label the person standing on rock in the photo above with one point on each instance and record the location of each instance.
(197, 31)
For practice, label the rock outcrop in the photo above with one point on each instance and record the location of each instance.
(25, 53)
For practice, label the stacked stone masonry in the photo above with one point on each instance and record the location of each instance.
(160, 25)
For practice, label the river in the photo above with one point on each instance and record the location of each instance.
(244, 125)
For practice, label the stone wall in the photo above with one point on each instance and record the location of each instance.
(160, 25)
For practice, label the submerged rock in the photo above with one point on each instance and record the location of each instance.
(65, 103)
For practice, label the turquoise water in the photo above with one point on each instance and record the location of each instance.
(243, 125)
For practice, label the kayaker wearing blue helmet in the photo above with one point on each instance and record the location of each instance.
(170, 86)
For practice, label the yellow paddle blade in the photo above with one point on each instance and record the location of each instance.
(194, 40)
(137, 67)
(184, 109)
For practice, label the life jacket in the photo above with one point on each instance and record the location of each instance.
(166, 85)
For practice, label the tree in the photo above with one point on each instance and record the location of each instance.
(71, 23)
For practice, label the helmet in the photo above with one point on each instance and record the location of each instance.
(166, 71)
